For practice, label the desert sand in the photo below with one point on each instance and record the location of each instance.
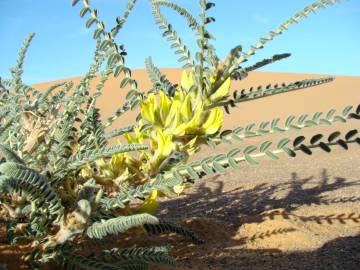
(294, 213)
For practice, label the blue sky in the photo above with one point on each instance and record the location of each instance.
(326, 43)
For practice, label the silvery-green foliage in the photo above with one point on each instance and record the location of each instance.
(48, 137)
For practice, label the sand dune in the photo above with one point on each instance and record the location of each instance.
(337, 94)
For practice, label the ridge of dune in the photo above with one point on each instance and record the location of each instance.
(343, 91)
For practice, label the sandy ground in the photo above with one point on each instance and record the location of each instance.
(295, 213)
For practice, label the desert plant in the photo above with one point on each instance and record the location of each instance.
(50, 200)
(61, 184)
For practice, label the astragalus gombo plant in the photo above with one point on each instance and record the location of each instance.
(61, 183)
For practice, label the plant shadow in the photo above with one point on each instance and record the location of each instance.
(342, 253)
(240, 205)
(220, 216)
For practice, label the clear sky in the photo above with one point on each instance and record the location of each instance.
(325, 43)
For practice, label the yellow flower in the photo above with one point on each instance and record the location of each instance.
(154, 113)
(177, 122)
(174, 109)
(117, 161)
(174, 123)
(164, 143)
(187, 80)
(222, 91)
(150, 204)
(195, 123)
(138, 136)
(214, 121)
(165, 105)
(162, 146)
(106, 168)
(148, 108)
(186, 108)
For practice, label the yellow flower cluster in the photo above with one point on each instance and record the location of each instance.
(176, 124)
(185, 113)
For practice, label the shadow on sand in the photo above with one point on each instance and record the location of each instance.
(217, 215)
(241, 205)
